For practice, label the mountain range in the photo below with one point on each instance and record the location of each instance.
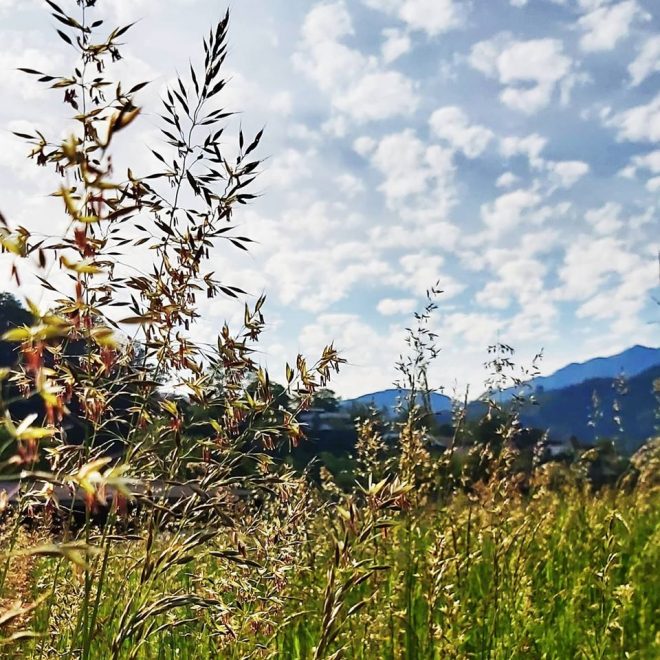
(606, 397)
(389, 400)
(629, 363)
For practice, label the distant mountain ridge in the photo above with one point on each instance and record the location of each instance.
(631, 362)
(565, 399)
(391, 398)
(594, 410)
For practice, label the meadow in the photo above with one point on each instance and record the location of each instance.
(561, 572)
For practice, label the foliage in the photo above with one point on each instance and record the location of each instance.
(83, 370)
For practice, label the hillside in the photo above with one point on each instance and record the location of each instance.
(570, 411)
(388, 400)
(630, 363)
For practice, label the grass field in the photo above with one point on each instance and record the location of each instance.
(559, 573)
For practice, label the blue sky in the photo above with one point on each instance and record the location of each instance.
(508, 149)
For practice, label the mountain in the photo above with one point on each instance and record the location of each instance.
(389, 399)
(570, 411)
(630, 362)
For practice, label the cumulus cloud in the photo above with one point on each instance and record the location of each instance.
(16, 52)
(313, 279)
(378, 95)
(349, 184)
(530, 146)
(509, 210)
(605, 219)
(288, 168)
(410, 167)
(506, 180)
(396, 306)
(647, 61)
(653, 184)
(396, 44)
(427, 232)
(529, 71)
(638, 124)
(519, 277)
(452, 124)
(431, 16)
(473, 330)
(324, 58)
(419, 271)
(590, 262)
(357, 85)
(605, 25)
(370, 355)
(621, 303)
(649, 161)
(567, 173)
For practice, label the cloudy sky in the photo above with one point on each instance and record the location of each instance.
(509, 149)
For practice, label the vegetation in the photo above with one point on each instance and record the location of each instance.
(564, 574)
(195, 539)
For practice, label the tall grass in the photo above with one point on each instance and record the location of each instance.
(560, 574)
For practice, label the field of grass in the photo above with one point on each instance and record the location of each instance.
(558, 573)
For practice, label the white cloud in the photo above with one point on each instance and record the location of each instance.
(509, 210)
(17, 53)
(314, 278)
(567, 173)
(288, 168)
(506, 180)
(530, 146)
(472, 330)
(364, 145)
(452, 124)
(421, 271)
(653, 184)
(605, 220)
(357, 85)
(325, 59)
(590, 262)
(518, 274)
(622, 303)
(605, 26)
(396, 306)
(647, 61)
(638, 124)
(431, 16)
(370, 355)
(378, 95)
(427, 231)
(649, 161)
(411, 168)
(349, 184)
(519, 277)
(396, 44)
(530, 71)
(327, 22)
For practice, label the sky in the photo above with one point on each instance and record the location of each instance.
(508, 150)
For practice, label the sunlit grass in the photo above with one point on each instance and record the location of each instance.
(558, 575)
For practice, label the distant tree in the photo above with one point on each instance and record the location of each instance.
(326, 400)
(12, 315)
